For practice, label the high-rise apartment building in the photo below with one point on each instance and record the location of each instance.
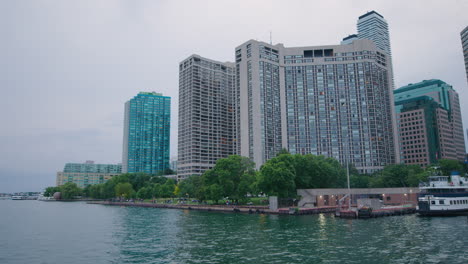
(464, 40)
(260, 119)
(206, 114)
(326, 100)
(373, 26)
(147, 133)
(429, 123)
(88, 173)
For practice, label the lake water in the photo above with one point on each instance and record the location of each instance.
(76, 232)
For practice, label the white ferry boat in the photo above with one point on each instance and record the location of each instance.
(444, 195)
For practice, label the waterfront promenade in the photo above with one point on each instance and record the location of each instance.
(224, 208)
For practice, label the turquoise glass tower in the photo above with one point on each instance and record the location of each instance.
(147, 133)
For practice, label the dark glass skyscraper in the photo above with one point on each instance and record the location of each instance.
(147, 133)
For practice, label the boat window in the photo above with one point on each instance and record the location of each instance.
(432, 202)
(441, 202)
(451, 202)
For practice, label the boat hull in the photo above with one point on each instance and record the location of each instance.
(425, 210)
(442, 212)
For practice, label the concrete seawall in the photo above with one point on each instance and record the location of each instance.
(225, 208)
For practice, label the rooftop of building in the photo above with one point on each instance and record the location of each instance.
(87, 163)
(370, 13)
(351, 36)
(424, 99)
(358, 44)
(226, 63)
(424, 83)
(151, 93)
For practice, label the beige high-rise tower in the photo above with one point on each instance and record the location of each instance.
(206, 114)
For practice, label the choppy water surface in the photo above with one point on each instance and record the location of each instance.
(56, 232)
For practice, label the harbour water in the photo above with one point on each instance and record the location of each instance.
(76, 232)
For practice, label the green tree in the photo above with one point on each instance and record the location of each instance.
(96, 191)
(233, 177)
(144, 193)
(158, 179)
(192, 187)
(138, 180)
(167, 189)
(70, 190)
(359, 180)
(447, 166)
(277, 177)
(318, 172)
(176, 190)
(49, 191)
(124, 190)
(214, 192)
(397, 175)
(156, 190)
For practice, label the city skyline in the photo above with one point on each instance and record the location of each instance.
(67, 76)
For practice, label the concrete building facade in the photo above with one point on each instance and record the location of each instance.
(373, 26)
(206, 114)
(147, 133)
(327, 100)
(429, 123)
(331, 197)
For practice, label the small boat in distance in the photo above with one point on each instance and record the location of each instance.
(17, 197)
(443, 195)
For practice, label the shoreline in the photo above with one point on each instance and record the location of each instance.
(247, 209)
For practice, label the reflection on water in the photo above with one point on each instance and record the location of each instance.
(80, 233)
(206, 237)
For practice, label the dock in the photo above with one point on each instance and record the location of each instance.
(369, 213)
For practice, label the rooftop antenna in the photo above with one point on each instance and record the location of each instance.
(271, 39)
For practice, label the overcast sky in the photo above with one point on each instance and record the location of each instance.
(68, 67)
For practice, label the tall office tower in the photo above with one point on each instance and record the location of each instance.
(430, 123)
(464, 40)
(424, 130)
(147, 133)
(335, 101)
(206, 114)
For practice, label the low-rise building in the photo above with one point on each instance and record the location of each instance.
(88, 173)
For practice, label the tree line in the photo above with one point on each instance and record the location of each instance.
(235, 178)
